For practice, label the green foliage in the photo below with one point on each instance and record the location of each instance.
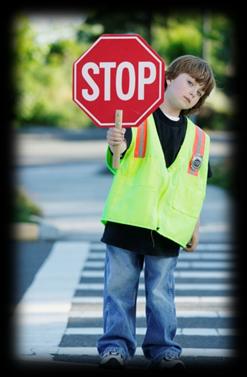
(24, 207)
(222, 52)
(177, 39)
(113, 21)
(224, 176)
(44, 83)
(217, 112)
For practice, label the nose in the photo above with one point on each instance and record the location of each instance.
(192, 92)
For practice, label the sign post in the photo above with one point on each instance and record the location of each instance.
(116, 152)
(119, 71)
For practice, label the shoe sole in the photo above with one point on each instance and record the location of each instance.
(111, 364)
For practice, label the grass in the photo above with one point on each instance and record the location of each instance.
(23, 207)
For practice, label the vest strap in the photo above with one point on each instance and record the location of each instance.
(198, 151)
(141, 140)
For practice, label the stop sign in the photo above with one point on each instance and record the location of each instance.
(119, 71)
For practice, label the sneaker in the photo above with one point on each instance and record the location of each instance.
(168, 364)
(112, 360)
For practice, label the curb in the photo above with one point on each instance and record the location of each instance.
(34, 231)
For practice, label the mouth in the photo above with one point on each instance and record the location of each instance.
(187, 99)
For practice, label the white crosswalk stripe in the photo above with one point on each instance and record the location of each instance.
(193, 313)
(178, 273)
(179, 287)
(181, 264)
(195, 300)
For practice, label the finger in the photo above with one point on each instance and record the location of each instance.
(189, 249)
(117, 138)
(115, 141)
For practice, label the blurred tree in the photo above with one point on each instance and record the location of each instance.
(88, 33)
(222, 51)
(206, 29)
(27, 57)
(211, 37)
(139, 22)
(42, 74)
(56, 52)
(176, 35)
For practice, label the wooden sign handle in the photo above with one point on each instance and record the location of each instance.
(117, 148)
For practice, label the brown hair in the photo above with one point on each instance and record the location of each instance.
(198, 69)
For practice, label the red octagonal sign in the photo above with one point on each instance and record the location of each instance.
(119, 72)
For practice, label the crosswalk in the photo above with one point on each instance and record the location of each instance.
(60, 316)
(206, 290)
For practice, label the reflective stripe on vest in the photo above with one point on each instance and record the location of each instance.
(141, 140)
(198, 151)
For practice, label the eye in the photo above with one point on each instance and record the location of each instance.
(190, 82)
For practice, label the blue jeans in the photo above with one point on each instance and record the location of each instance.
(122, 274)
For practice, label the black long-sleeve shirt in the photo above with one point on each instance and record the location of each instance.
(141, 240)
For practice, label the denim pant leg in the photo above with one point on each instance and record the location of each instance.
(160, 309)
(122, 273)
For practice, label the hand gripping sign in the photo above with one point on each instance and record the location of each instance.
(118, 81)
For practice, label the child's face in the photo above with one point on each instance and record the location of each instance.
(183, 92)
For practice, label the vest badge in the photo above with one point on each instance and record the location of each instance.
(196, 162)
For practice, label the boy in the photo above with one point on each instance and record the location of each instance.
(152, 211)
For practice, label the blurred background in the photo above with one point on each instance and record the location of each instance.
(45, 45)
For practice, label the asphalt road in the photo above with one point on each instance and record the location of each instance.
(28, 257)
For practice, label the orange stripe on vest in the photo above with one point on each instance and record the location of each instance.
(141, 140)
(198, 150)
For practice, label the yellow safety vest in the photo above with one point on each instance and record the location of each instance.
(147, 194)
